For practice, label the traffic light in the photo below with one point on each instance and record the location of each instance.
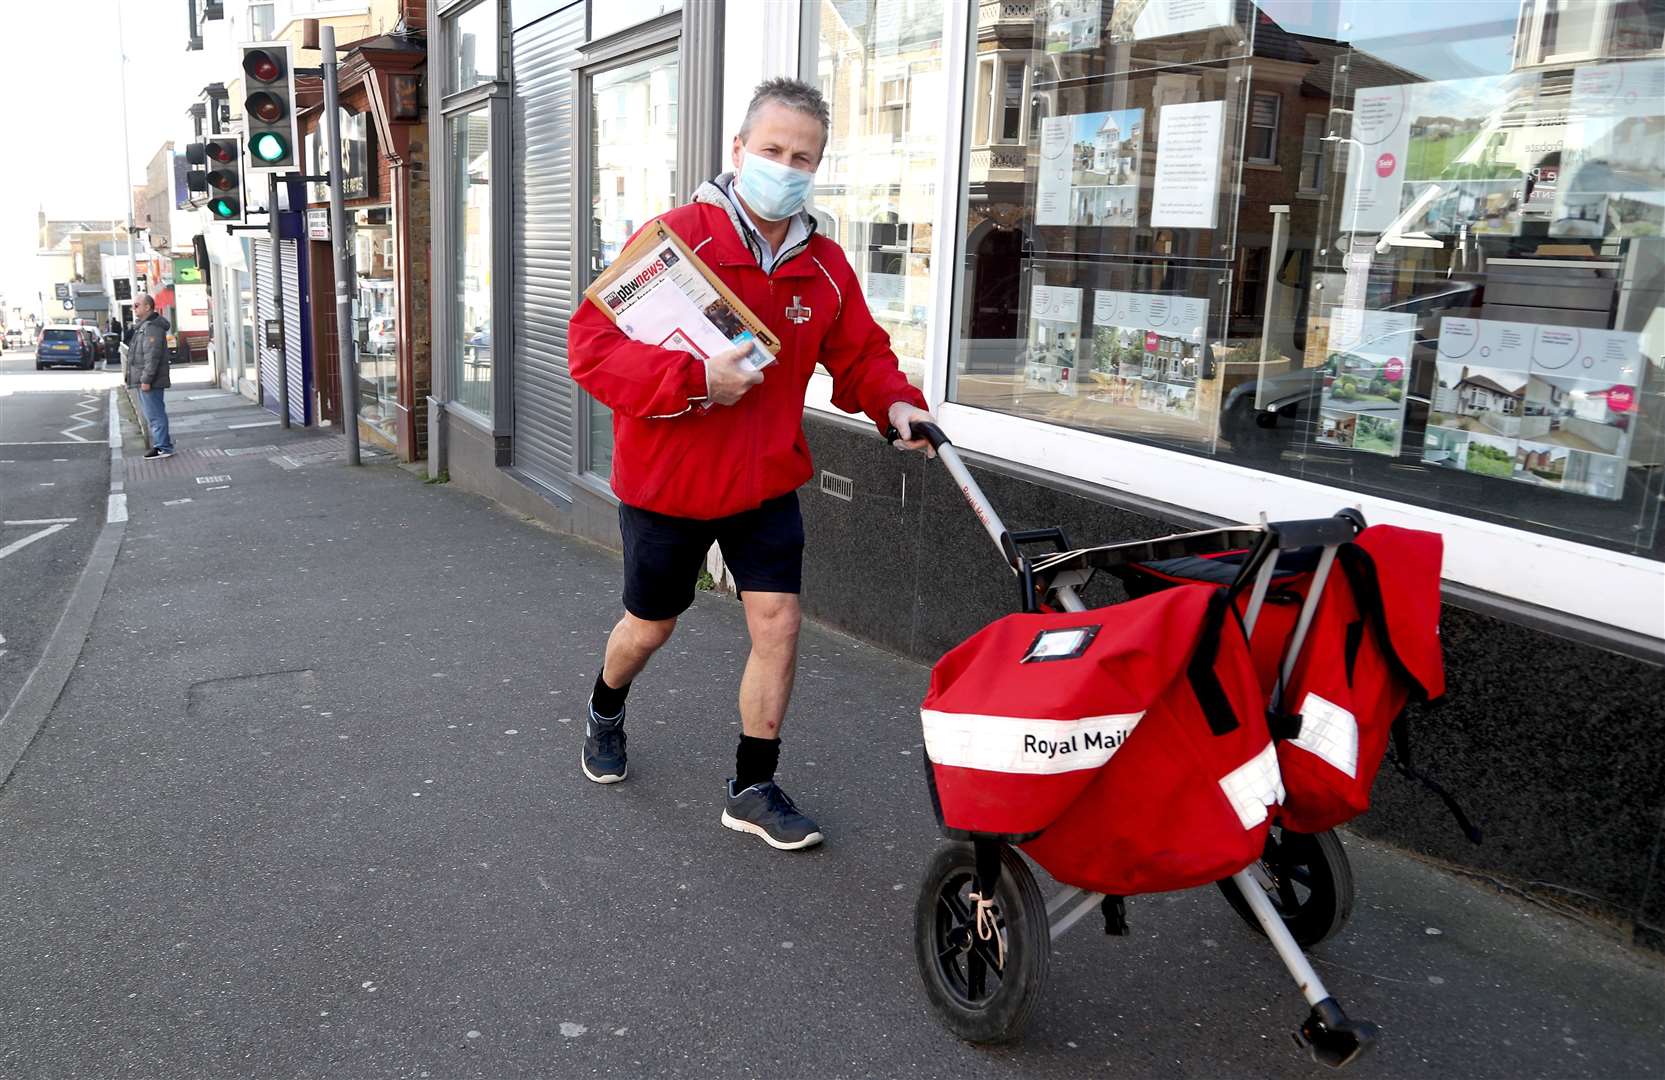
(269, 107)
(224, 178)
(196, 172)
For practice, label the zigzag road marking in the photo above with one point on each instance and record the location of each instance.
(83, 418)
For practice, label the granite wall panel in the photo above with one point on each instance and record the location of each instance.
(1554, 747)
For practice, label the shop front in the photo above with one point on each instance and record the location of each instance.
(1159, 265)
(385, 189)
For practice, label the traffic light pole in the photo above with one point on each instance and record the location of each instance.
(345, 344)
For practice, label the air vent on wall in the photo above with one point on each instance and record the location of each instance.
(839, 487)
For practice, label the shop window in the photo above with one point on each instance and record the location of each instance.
(473, 39)
(468, 140)
(632, 179)
(1263, 129)
(1462, 314)
(376, 318)
(1311, 181)
(261, 25)
(879, 194)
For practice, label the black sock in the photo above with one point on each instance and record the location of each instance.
(606, 701)
(755, 761)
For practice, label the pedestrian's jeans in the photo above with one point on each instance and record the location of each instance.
(156, 415)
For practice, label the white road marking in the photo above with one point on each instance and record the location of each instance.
(19, 545)
(48, 483)
(219, 487)
(212, 479)
(116, 509)
(115, 424)
(48, 442)
(38, 521)
(258, 423)
(82, 417)
(175, 502)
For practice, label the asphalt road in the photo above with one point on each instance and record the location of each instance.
(54, 479)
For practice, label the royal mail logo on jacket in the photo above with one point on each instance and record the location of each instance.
(1137, 760)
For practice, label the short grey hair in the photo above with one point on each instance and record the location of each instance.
(794, 94)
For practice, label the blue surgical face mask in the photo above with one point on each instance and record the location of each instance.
(770, 189)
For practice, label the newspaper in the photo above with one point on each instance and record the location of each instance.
(658, 292)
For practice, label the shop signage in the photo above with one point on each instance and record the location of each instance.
(318, 223)
(61, 290)
(358, 178)
(186, 272)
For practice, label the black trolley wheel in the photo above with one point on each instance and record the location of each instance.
(977, 997)
(1311, 884)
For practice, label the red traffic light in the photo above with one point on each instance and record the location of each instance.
(221, 150)
(221, 180)
(267, 108)
(262, 66)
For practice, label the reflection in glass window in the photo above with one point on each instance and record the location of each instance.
(1312, 156)
(468, 142)
(473, 38)
(1456, 303)
(632, 180)
(1262, 147)
(610, 16)
(376, 318)
(875, 193)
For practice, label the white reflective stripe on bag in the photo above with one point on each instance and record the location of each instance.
(1021, 744)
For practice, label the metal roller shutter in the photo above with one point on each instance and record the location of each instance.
(266, 306)
(542, 286)
(294, 327)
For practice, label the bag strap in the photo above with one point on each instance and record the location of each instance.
(1205, 681)
(1360, 569)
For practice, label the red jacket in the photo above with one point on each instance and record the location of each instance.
(712, 463)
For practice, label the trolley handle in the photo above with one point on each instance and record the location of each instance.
(922, 429)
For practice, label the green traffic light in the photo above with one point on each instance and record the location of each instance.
(223, 207)
(269, 147)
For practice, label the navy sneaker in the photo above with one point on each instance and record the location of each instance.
(766, 810)
(603, 758)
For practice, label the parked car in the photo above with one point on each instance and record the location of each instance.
(14, 337)
(93, 342)
(64, 346)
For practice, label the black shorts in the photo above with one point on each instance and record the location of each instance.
(663, 556)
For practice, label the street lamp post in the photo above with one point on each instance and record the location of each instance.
(126, 159)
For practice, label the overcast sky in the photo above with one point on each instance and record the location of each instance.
(62, 133)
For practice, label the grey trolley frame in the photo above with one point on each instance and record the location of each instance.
(1328, 1035)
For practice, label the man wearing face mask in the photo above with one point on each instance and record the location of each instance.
(710, 451)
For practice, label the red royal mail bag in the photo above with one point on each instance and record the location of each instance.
(1126, 748)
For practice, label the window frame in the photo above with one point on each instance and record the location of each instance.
(1250, 127)
(658, 37)
(494, 98)
(1313, 125)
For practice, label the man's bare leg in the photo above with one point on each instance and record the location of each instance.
(755, 804)
(766, 688)
(631, 644)
(629, 647)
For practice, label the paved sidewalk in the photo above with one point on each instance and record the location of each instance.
(311, 807)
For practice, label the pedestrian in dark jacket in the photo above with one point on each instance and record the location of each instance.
(147, 369)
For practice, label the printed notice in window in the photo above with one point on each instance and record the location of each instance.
(1187, 194)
